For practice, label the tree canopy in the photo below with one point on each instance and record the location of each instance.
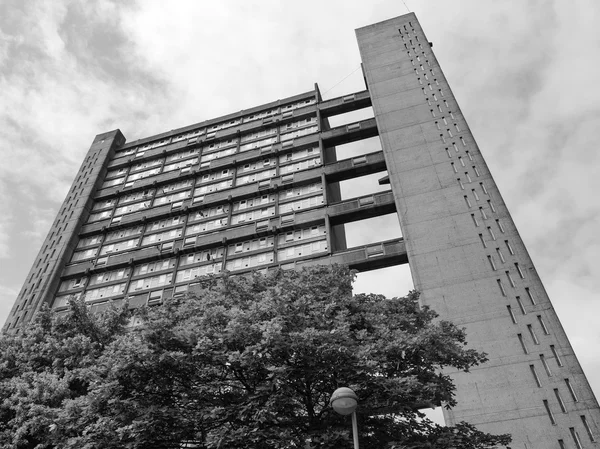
(241, 362)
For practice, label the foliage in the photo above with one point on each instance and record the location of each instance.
(242, 362)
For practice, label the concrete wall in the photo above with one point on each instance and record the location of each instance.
(44, 276)
(458, 232)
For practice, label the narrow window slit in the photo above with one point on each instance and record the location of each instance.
(521, 305)
(476, 171)
(530, 295)
(575, 436)
(460, 183)
(501, 287)
(492, 235)
(483, 188)
(520, 336)
(492, 208)
(512, 315)
(550, 415)
(532, 333)
(482, 240)
(521, 275)
(535, 376)
(510, 279)
(545, 365)
(500, 255)
(588, 429)
(556, 356)
(472, 190)
(483, 215)
(467, 201)
(492, 264)
(560, 401)
(474, 220)
(571, 390)
(500, 225)
(509, 247)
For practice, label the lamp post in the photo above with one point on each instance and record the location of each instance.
(344, 401)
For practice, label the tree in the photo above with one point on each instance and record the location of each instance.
(244, 361)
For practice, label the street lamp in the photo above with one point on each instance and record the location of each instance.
(344, 401)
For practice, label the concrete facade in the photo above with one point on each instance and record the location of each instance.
(465, 253)
(260, 188)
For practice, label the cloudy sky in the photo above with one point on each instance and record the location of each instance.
(524, 73)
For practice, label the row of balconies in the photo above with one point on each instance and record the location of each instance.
(362, 258)
(344, 211)
(343, 169)
(335, 136)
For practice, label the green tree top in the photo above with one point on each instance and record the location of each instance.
(242, 362)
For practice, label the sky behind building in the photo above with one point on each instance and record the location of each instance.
(524, 74)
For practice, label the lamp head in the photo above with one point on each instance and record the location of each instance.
(344, 401)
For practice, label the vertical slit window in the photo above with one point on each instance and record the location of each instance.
(545, 365)
(532, 333)
(432, 111)
(535, 376)
(492, 208)
(561, 444)
(483, 188)
(475, 194)
(463, 141)
(510, 279)
(460, 183)
(560, 401)
(474, 220)
(455, 146)
(468, 176)
(467, 201)
(460, 159)
(452, 163)
(571, 390)
(483, 215)
(512, 315)
(482, 240)
(438, 106)
(510, 250)
(521, 306)
(501, 287)
(556, 356)
(448, 152)
(543, 325)
(476, 171)
(491, 233)
(500, 255)
(521, 275)
(576, 439)
(491, 261)
(500, 225)
(550, 415)
(520, 336)
(530, 295)
(469, 155)
(588, 429)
